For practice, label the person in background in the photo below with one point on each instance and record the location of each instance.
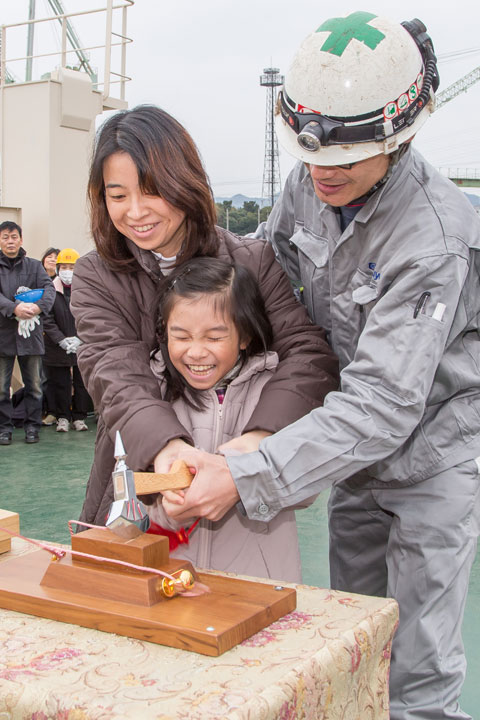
(70, 398)
(386, 254)
(21, 330)
(151, 209)
(49, 262)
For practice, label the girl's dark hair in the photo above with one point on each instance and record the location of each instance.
(49, 251)
(235, 293)
(168, 165)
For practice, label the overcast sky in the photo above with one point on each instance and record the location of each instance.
(201, 60)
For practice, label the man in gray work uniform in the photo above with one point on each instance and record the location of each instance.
(386, 255)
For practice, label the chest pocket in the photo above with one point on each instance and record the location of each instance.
(352, 310)
(313, 263)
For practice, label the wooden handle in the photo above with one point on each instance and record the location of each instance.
(178, 478)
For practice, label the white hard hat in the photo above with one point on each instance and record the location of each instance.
(359, 86)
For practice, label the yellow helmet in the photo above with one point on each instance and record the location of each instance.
(68, 256)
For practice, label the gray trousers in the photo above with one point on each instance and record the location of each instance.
(416, 544)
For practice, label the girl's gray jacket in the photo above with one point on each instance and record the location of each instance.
(399, 294)
(234, 543)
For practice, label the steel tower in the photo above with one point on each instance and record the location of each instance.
(271, 168)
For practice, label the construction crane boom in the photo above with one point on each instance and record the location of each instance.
(58, 9)
(457, 87)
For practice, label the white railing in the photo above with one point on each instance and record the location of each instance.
(112, 40)
(460, 173)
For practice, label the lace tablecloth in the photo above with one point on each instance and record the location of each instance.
(329, 659)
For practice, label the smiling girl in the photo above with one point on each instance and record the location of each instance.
(213, 362)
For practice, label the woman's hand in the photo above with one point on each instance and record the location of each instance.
(249, 442)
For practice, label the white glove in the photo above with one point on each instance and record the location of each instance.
(65, 344)
(27, 325)
(72, 343)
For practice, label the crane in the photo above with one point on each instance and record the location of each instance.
(457, 87)
(58, 9)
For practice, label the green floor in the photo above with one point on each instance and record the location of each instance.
(45, 484)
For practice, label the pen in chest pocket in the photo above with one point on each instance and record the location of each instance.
(421, 303)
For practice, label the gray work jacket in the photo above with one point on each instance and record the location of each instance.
(409, 404)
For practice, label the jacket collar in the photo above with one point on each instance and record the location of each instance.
(149, 263)
(255, 364)
(4, 260)
(396, 180)
(146, 259)
(58, 285)
(391, 186)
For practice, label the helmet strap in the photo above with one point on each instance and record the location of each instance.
(395, 158)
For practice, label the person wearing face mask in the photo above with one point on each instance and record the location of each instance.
(70, 398)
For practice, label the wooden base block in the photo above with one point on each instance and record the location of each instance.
(10, 521)
(210, 624)
(144, 550)
(5, 545)
(112, 583)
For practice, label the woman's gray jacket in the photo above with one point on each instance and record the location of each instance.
(399, 295)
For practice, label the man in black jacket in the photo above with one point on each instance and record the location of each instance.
(21, 330)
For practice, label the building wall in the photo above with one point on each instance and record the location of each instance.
(47, 135)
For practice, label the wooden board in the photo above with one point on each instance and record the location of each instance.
(234, 609)
(9, 521)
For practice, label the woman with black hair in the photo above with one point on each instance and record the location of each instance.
(151, 209)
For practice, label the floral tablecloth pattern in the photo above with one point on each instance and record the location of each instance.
(327, 660)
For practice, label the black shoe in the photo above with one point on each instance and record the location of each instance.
(31, 436)
(5, 438)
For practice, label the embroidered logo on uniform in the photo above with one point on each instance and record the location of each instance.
(375, 274)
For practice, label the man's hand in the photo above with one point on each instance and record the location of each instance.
(24, 311)
(212, 492)
(247, 443)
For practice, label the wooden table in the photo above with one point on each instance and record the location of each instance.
(328, 659)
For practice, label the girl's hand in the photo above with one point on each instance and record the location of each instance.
(249, 442)
(172, 497)
(163, 463)
(168, 454)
